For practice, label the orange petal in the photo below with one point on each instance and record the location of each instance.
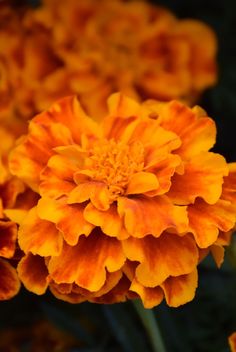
(97, 192)
(164, 170)
(150, 296)
(30, 157)
(142, 182)
(57, 178)
(71, 297)
(197, 134)
(168, 255)
(69, 112)
(8, 234)
(110, 222)
(69, 219)
(144, 216)
(218, 253)
(118, 294)
(86, 263)
(232, 342)
(9, 283)
(33, 273)
(205, 221)
(39, 236)
(180, 290)
(203, 177)
(229, 186)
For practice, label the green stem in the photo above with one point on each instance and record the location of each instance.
(150, 323)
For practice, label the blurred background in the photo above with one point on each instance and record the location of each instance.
(31, 323)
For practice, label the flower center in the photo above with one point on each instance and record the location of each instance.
(115, 162)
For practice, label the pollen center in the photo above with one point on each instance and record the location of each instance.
(115, 162)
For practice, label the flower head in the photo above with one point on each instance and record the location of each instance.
(15, 200)
(128, 206)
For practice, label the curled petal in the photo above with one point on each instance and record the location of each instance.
(144, 216)
(86, 263)
(150, 296)
(142, 182)
(203, 177)
(34, 280)
(97, 192)
(169, 255)
(205, 221)
(180, 290)
(9, 283)
(39, 236)
(69, 219)
(109, 221)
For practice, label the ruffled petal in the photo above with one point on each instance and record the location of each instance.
(144, 216)
(203, 177)
(39, 236)
(57, 178)
(180, 290)
(159, 258)
(109, 221)
(150, 296)
(9, 283)
(30, 157)
(86, 263)
(34, 280)
(69, 219)
(97, 192)
(205, 221)
(142, 182)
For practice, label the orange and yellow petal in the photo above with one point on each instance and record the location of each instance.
(86, 263)
(8, 235)
(206, 221)
(150, 296)
(181, 289)
(33, 273)
(69, 219)
(144, 216)
(169, 255)
(39, 236)
(203, 177)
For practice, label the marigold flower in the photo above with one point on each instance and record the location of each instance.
(232, 342)
(128, 206)
(136, 48)
(15, 200)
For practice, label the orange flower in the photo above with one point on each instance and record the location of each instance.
(15, 200)
(128, 207)
(138, 49)
(232, 342)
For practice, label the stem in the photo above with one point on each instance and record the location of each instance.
(150, 323)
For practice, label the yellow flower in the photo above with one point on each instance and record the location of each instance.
(128, 206)
(71, 47)
(15, 200)
(232, 342)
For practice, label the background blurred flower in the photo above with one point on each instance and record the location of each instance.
(232, 342)
(114, 194)
(15, 200)
(95, 48)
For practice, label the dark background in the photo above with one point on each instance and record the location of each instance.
(200, 326)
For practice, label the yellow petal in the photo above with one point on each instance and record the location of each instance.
(142, 182)
(150, 296)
